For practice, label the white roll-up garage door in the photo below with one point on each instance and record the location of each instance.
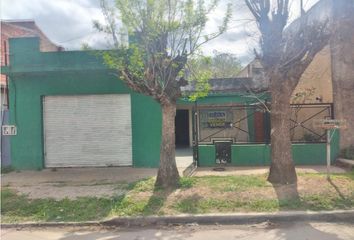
(87, 130)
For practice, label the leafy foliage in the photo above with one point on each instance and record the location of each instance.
(163, 35)
(202, 68)
(199, 72)
(225, 65)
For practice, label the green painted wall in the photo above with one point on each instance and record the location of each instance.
(259, 154)
(227, 98)
(250, 155)
(27, 87)
(26, 58)
(309, 154)
(206, 156)
(146, 126)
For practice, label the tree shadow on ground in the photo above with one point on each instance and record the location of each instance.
(303, 230)
(289, 198)
(190, 204)
(127, 234)
(286, 192)
(336, 188)
(157, 201)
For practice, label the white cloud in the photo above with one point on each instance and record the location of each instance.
(239, 38)
(69, 23)
(65, 22)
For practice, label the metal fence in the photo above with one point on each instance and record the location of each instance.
(251, 124)
(302, 121)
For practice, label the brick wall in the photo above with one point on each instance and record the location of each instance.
(14, 29)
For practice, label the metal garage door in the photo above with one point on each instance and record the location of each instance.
(87, 130)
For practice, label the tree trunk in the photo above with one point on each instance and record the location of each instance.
(342, 53)
(167, 176)
(282, 169)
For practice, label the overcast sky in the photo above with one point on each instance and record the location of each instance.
(69, 23)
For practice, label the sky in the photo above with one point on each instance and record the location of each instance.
(68, 23)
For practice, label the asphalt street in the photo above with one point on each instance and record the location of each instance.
(262, 231)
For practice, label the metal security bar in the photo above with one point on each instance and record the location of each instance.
(249, 124)
(302, 118)
(228, 123)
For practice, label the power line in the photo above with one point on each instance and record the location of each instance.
(78, 37)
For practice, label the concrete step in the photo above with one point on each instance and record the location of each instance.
(347, 163)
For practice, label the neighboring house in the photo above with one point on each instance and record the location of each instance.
(330, 76)
(252, 69)
(313, 89)
(16, 29)
(342, 62)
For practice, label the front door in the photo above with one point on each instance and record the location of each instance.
(182, 128)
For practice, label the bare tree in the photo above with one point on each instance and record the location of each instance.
(163, 34)
(285, 54)
(342, 54)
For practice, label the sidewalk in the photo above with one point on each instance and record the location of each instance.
(90, 174)
(205, 171)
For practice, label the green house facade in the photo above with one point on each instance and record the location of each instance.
(70, 110)
(36, 77)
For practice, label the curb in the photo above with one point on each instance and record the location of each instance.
(346, 216)
(50, 224)
(248, 218)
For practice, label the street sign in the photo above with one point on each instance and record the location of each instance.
(330, 124)
(9, 130)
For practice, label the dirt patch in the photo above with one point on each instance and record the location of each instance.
(320, 185)
(70, 192)
(73, 183)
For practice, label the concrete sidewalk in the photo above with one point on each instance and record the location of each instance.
(128, 174)
(184, 157)
(78, 175)
(229, 171)
(75, 182)
(91, 174)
